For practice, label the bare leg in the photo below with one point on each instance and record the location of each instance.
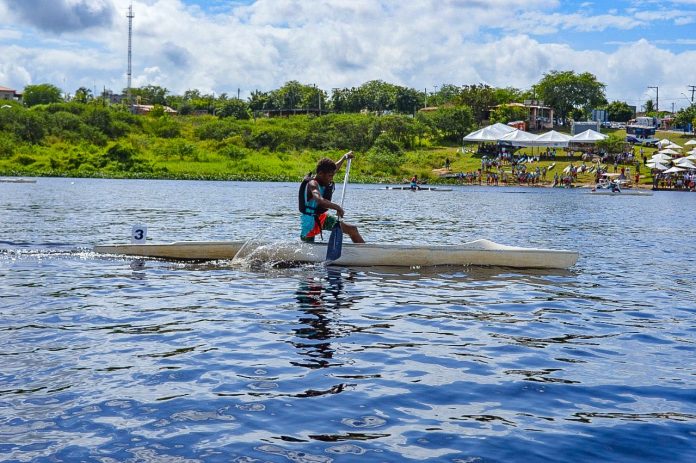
(352, 231)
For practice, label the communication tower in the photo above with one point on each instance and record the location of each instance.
(130, 51)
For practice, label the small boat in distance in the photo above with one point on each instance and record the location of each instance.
(17, 180)
(420, 188)
(479, 252)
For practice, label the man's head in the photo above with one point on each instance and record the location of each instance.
(326, 169)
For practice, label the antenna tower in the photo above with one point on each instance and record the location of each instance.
(130, 50)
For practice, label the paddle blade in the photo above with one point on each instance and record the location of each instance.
(333, 249)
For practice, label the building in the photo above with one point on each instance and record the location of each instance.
(580, 126)
(9, 94)
(539, 117)
(146, 108)
(600, 115)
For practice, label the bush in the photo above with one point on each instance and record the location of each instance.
(7, 146)
(24, 160)
(164, 127)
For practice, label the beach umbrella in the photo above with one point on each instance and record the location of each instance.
(656, 165)
(674, 170)
(685, 163)
(690, 142)
(661, 157)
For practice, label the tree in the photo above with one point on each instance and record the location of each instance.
(453, 122)
(619, 111)
(41, 94)
(83, 95)
(505, 113)
(686, 116)
(150, 94)
(233, 108)
(480, 98)
(566, 91)
(649, 107)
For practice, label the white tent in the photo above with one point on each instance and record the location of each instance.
(518, 138)
(692, 156)
(690, 142)
(551, 139)
(673, 146)
(588, 136)
(673, 170)
(489, 133)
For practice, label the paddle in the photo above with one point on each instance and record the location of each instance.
(333, 248)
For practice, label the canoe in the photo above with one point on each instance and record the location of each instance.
(624, 192)
(423, 188)
(17, 180)
(479, 252)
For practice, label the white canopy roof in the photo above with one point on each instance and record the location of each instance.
(588, 136)
(551, 139)
(518, 138)
(673, 146)
(489, 133)
(692, 156)
(668, 151)
(664, 142)
(674, 169)
(690, 142)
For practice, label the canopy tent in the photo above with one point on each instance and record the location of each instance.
(588, 136)
(692, 156)
(690, 142)
(489, 133)
(518, 138)
(673, 146)
(693, 151)
(551, 139)
(673, 170)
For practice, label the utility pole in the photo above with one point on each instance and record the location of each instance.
(657, 98)
(130, 53)
(693, 89)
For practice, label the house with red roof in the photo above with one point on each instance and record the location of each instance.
(9, 94)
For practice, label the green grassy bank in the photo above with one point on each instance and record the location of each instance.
(87, 141)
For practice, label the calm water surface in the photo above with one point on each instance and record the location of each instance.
(103, 360)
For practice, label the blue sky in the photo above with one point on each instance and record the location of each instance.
(224, 45)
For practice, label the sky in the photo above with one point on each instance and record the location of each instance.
(240, 46)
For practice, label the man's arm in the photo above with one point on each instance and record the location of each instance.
(339, 163)
(322, 202)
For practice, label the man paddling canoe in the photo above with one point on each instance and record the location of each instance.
(315, 201)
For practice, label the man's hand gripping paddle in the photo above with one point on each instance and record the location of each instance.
(333, 249)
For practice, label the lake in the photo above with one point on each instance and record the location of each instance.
(109, 361)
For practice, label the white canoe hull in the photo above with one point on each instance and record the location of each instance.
(479, 252)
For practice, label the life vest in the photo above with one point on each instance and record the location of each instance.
(303, 198)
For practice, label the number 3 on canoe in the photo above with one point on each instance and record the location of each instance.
(138, 234)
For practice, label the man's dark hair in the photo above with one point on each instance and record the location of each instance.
(326, 165)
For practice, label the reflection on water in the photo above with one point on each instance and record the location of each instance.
(320, 300)
(113, 359)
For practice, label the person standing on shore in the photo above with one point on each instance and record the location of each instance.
(315, 200)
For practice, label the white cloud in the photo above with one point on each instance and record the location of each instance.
(335, 43)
